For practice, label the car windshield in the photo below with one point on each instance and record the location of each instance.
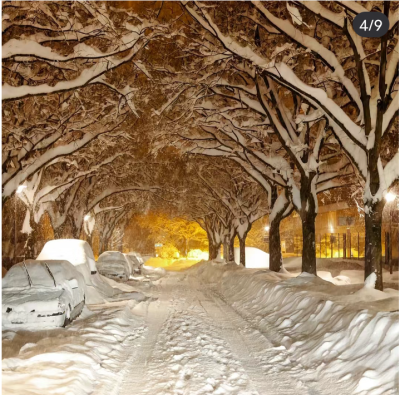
(106, 256)
(38, 273)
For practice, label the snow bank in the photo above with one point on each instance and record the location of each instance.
(255, 258)
(212, 271)
(329, 337)
(153, 273)
(80, 357)
(328, 330)
(119, 286)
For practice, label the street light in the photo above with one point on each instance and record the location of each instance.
(17, 192)
(86, 217)
(390, 197)
(20, 188)
(267, 228)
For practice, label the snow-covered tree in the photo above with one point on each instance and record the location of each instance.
(307, 61)
(70, 76)
(243, 200)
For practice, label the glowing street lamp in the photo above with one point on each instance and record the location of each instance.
(86, 217)
(266, 228)
(390, 197)
(20, 188)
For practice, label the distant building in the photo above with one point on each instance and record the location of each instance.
(340, 232)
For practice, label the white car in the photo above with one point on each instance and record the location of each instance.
(77, 252)
(135, 260)
(114, 265)
(41, 294)
(80, 254)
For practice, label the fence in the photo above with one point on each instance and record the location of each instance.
(337, 245)
(343, 245)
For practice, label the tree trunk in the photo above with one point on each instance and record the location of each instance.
(218, 251)
(242, 243)
(76, 231)
(102, 244)
(210, 251)
(373, 243)
(275, 253)
(210, 247)
(226, 250)
(31, 243)
(309, 260)
(58, 232)
(231, 249)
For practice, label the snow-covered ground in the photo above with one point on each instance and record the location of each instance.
(216, 329)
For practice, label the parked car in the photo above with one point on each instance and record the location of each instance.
(41, 294)
(80, 254)
(135, 260)
(77, 252)
(114, 265)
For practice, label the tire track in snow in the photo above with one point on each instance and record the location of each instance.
(245, 344)
(277, 359)
(135, 377)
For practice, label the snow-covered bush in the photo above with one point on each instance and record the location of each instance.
(168, 251)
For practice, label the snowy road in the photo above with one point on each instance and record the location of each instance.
(214, 329)
(197, 344)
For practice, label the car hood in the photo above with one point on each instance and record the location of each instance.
(37, 299)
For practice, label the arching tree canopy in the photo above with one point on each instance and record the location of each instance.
(212, 114)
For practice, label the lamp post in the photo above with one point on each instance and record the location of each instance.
(17, 192)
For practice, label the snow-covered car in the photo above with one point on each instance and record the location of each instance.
(41, 294)
(77, 252)
(80, 254)
(135, 260)
(114, 265)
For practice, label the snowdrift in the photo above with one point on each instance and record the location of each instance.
(153, 273)
(324, 331)
(255, 258)
(85, 357)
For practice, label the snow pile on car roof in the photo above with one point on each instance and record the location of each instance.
(326, 329)
(111, 255)
(80, 357)
(80, 254)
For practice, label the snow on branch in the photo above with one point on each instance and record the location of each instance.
(312, 44)
(11, 184)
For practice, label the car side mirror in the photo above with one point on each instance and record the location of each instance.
(73, 283)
